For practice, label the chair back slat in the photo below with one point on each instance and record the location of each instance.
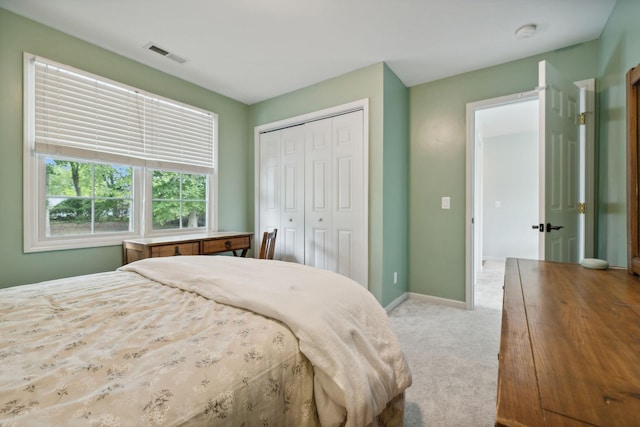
(268, 244)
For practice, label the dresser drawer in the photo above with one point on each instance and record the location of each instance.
(191, 248)
(228, 244)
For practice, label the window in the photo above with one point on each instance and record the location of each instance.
(104, 161)
(179, 200)
(87, 198)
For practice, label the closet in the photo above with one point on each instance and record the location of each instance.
(312, 187)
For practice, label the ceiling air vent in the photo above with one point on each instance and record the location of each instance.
(176, 58)
(164, 53)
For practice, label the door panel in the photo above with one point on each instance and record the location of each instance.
(290, 241)
(554, 165)
(320, 195)
(318, 189)
(349, 194)
(318, 249)
(559, 100)
(270, 185)
(344, 253)
(344, 185)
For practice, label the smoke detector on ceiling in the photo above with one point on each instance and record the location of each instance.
(160, 51)
(526, 31)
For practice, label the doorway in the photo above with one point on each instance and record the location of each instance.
(502, 182)
(507, 150)
(501, 193)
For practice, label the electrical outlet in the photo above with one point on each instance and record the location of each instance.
(395, 277)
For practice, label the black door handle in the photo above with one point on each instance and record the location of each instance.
(539, 227)
(553, 227)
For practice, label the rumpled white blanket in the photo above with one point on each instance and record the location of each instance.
(341, 328)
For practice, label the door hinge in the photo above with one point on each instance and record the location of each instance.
(582, 118)
(581, 208)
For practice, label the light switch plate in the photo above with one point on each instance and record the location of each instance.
(446, 202)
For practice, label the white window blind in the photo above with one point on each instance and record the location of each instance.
(80, 114)
(177, 134)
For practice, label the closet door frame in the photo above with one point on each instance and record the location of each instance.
(362, 104)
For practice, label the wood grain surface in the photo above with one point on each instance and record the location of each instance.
(570, 346)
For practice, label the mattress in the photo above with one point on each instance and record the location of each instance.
(120, 348)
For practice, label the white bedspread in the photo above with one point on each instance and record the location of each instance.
(342, 329)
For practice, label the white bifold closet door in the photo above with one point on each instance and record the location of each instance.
(291, 230)
(312, 188)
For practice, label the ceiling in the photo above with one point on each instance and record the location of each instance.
(252, 50)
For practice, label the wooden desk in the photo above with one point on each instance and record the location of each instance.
(186, 244)
(570, 346)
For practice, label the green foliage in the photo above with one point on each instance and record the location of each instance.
(179, 200)
(71, 187)
(79, 190)
(68, 178)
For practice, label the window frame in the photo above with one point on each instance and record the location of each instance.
(34, 184)
(148, 213)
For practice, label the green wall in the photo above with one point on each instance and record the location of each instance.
(18, 35)
(619, 52)
(417, 149)
(438, 155)
(395, 188)
(438, 145)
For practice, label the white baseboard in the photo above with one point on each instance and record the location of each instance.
(396, 302)
(437, 300)
(494, 258)
(426, 298)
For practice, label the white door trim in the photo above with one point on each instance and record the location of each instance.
(588, 132)
(362, 104)
(589, 107)
(471, 190)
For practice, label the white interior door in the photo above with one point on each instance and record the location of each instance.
(348, 196)
(270, 184)
(290, 236)
(318, 185)
(335, 195)
(311, 184)
(559, 145)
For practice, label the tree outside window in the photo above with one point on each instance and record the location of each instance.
(179, 200)
(87, 198)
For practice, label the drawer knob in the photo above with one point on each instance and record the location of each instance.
(227, 244)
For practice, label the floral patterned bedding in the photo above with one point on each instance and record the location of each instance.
(343, 331)
(199, 340)
(117, 349)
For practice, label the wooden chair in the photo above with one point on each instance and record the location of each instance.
(268, 244)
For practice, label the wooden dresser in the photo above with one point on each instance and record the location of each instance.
(570, 346)
(186, 244)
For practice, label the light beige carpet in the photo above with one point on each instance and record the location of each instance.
(453, 356)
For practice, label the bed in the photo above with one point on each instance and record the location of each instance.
(197, 340)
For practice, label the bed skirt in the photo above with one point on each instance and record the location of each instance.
(392, 415)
